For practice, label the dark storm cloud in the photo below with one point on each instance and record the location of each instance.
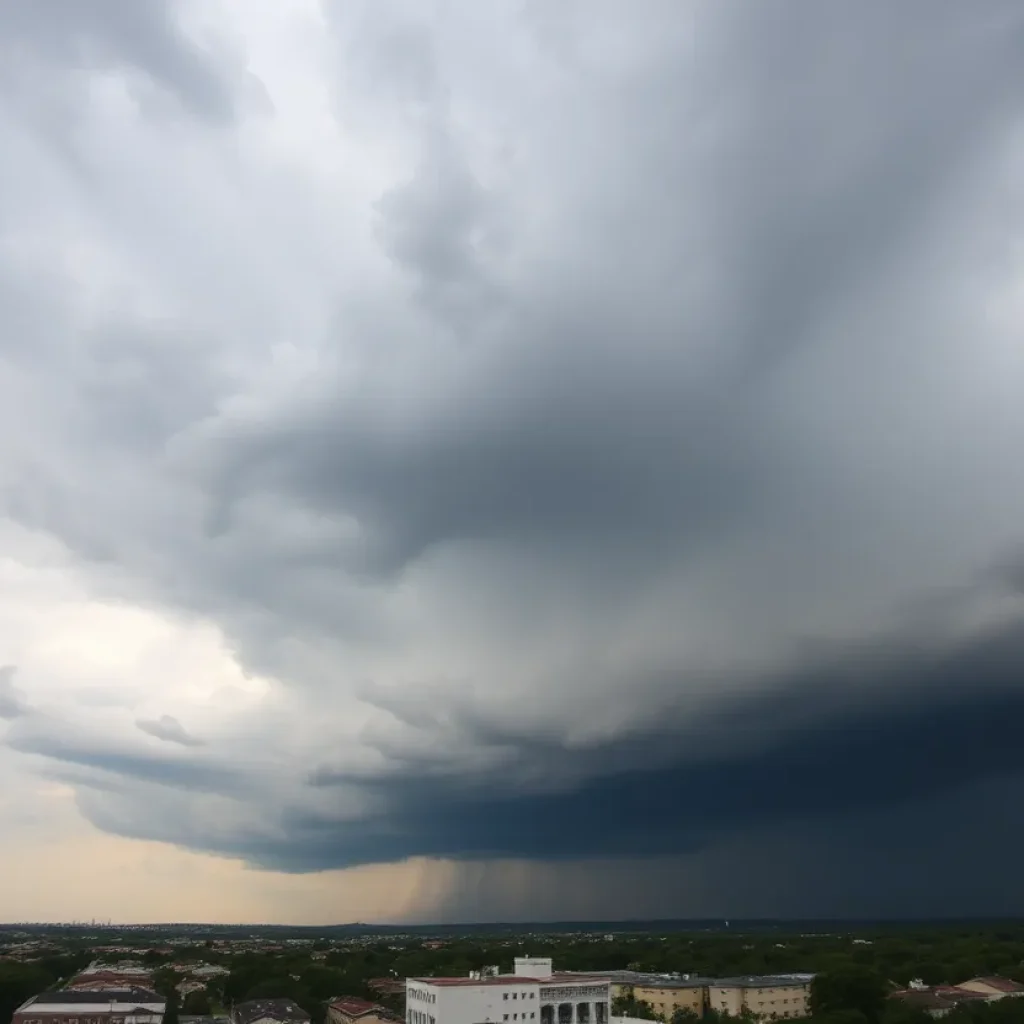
(169, 729)
(657, 413)
(800, 751)
(146, 38)
(584, 408)
(97, 755)
(939, 721)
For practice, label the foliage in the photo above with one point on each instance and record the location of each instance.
(196, 1004)
(20, 981)
(171, 1013)
(853, 989)
(628, 1006)
(684, 1015)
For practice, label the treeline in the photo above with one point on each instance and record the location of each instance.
(19, 981)
(937, 955)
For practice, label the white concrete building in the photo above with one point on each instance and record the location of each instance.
(532, 994)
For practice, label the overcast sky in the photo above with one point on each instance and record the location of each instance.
(511, 460)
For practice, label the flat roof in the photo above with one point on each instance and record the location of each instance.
(760, 981)
(514, 979)
(75, 997)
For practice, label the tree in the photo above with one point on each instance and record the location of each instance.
(17, 983)
(853, 987)
(196, 1004)
(627, 1006)
(848, 1016)
(171, 1012)
(684, 1015)
(899, 1011)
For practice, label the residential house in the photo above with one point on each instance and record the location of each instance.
(937, 1000)
(350, 1010)
(269, 1011)
(993, 988)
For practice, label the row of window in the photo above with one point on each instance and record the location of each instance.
(81, 1020)
(524, 995)
(516, 1016)
(419, 993)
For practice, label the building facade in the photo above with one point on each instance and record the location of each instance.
(774, 997)
(532, 994)
(665, 997)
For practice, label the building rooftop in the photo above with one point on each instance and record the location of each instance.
(277, 1009)
(760, 981)
(353, 1006)
(999, 984)
(513, 979)
(72, 997)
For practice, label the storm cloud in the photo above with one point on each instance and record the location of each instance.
(578, 436)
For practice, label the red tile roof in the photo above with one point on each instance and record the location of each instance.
(1000, 984)
(353, 1006)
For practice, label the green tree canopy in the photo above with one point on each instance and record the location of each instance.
(853, 987)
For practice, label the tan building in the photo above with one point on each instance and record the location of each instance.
(993, 988)
(775, 997)
(666, 997)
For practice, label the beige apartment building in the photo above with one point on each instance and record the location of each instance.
(665, 997)
(783, 997)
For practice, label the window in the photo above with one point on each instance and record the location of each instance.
(506, 995)
(505, 1017)
(515, 995)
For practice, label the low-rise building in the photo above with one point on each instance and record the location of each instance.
(67, 1006)
(937, 1000)
(351, 1010)
(532, 994)
(387, 986)
(210, 971)
(100, 977)
(269, 1011)
(767, 997)
(667, 996)
(993, 988)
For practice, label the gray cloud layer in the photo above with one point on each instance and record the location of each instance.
(11, 704)
(169, 729)
(644, 452)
